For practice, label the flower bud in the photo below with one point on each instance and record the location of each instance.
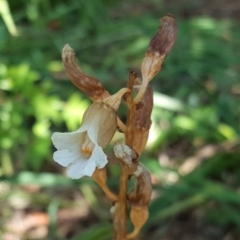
(163, 41)
(138, 216)
(159, 47)
(139, 199)
(141, 194)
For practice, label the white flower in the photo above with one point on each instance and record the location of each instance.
(81, 151)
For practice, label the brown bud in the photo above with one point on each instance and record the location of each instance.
(142, 121)
(138, 216)
(159, 47)
(91, 86)
(141, 194)
(139, 199)
(164, 40)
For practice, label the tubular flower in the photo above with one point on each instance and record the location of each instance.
(81, 151)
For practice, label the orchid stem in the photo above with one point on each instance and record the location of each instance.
(122, 207)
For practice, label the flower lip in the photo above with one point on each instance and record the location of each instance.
(81, 151)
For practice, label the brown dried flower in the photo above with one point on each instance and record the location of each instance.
(162, 43)
(159, 47)
(139, 199)
(91, 86)
(141, 194)
(142, 121)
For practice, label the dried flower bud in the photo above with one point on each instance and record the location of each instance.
(139, 199)
(127, 156)
(115, 100)
(164, 40)
(159, 47)
(91, 86)
(140, 196)
(138, 216)
(142, 121)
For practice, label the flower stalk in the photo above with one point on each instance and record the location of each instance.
(100, 176)
(81, 151)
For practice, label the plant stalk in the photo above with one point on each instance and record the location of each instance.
(121, 214)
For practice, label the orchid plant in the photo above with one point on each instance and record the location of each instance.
(81, 151)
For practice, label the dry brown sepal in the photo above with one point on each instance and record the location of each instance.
(139, 199)
(127, 156)
(91, 86)
(142, 121)
(159, 47)
(100, 176)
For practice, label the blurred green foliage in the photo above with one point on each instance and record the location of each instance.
(198, 105)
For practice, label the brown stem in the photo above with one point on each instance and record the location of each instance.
(121, 211)
(129, 134)
(109, 193)
(121, 214)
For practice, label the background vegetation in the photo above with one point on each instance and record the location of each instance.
(193, 151)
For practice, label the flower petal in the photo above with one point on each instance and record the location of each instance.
(89, 168)
(75, 170)
(64, 140)
(86, 167)
(92, 134)
(99, 157)
(65, 157)
(67, 140)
